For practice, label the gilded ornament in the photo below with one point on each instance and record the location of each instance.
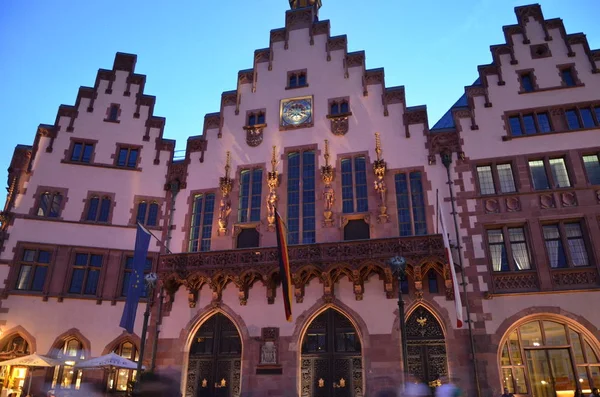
(380, 168)
(272, 198)
(225, 184)
(328, 192)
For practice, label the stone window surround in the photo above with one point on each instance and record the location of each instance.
(256, 112)
(552, 113)
(86, 201)
(71, 268)
(13, 274)
(531, 73)
(506, 240)
(115, 156)
(576, 80)
(239, 227)
(69, 151)
(339, 101)
(494, 163)
(546, 159)
(37, 196)
(585, 231)
(118, 285)
(187, 224)
(137, 199)
(108, 110)
(588, 152)
(297, 72)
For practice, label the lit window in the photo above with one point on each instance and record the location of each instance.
(513, 256)
(592, 168)
(565, 245)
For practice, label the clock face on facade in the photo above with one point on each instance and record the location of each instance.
(296, 112)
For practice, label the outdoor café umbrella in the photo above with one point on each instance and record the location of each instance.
(32, 361)
(111, 360)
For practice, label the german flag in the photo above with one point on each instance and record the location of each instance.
(284, 265)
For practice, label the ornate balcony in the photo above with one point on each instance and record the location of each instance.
(328, 262)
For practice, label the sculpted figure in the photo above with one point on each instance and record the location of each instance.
(328, 197)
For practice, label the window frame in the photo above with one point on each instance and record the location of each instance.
(129, 148)
(353, 158)
(583, 154)
(187, 243)
(339, 102)
(508, 249)
(73, 266)
(296, 75)
(256, 113)
(496, 177)
(587, 245)
(131, 373)
(594, 110)
(521, 115)
(102, 198)
(111, 117)
(571, 67)
(19, 261)
(301, 230)
(409, 193)
(548, 170)
(251, 170)
(40, 192)
(529, 73)
(121, 292)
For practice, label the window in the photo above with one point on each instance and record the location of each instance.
(49, 205)
(529, 124)
(98, 209)
(113, 113)
(592, 168)
(297, 79)
(527, 82)
(86, 273)
(202, 220)
(120, 377)
(66, 376)
(432, 282)
(496, 178)
(248, 238)
(540, 176)
(339, 107)
(411, 204)
(147, 214)
(354, 185)
(82, 152)
(250, 195)
(15, 345)
(583, 117)
(538, 358)
(301, 198)
(567, 77)
(513, 256)
(256, 118)
(560, 235)
(129, 271)
(33, 268)
(128, 157)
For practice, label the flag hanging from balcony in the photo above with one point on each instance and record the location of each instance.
(136, 281)
(284, 265)
(457, 299)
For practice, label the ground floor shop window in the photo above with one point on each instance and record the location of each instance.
(549, 358)
(120, 378)
(67, 376)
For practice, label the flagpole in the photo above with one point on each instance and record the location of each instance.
(447, 160)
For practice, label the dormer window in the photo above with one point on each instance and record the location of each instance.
(297, 79)
(112, 113)
(527, 82)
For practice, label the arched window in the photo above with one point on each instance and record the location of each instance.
(118, 380)
(14, 346)
(548, 358)
(66, 376)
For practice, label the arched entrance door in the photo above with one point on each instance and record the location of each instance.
(215, 360)
(426, 347)
(331, 358)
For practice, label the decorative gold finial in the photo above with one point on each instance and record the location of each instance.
(326, 153)
(226, 184)
(378, 146)
(227, 164)
(274, 160)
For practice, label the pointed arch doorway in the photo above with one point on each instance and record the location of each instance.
(214, 366)
(331, 359)
(426, 346)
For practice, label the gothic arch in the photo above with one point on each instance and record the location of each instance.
(192, 327)
(72, 333)
(124, 337)
(440, 314)
(22, 332)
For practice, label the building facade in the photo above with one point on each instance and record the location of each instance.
(359, 178)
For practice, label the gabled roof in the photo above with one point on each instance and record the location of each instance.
(447, 121)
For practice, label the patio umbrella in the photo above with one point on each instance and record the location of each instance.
(32, 361)
(111, 360)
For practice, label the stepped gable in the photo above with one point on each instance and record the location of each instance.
(123, 62)
(304, 18)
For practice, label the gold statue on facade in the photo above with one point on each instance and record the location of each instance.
(328, 192)
(272, 198)
(225, 184)
(379, 168)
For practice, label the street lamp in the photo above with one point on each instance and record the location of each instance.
(398, 266)
(150, 280)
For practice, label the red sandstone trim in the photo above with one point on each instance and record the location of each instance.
(101, 196)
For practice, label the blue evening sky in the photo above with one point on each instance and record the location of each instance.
(191, 51)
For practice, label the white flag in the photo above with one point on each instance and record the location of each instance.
(457, 301)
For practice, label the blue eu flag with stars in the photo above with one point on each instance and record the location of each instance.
(136, 281)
